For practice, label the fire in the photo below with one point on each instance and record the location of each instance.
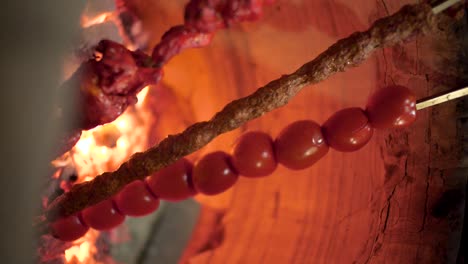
(102, 149)
(83, 249)
(99, 19)
(105, 147)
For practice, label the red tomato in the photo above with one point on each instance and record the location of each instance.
(102, 216)
(136, 200)
(173, 183)
(392, 107)
(68, 228)
(213, 174)
(300, 145)
(347, 130)
(253, 155)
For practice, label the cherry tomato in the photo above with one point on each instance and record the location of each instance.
(300, 145)
(173, 183)
(102, 216)
(136, 200)
(392, 107)
(253, 155)
(68, 228)
(213, 174)
(347, 130)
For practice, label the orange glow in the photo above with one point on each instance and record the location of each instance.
(106, 147)
(102, 149)
(82, 249)
(99, 19)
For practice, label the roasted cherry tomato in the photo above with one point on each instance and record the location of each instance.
(392, 107)
(136, 200)
(68, 228)
(347, 130)
(253, 155)
(102, 216)
(213, 174)
(173, 183)
(300, 145)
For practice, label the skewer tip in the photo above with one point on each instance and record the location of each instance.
(441, 98)
(440, 8)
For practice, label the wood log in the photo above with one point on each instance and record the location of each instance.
(398, 200)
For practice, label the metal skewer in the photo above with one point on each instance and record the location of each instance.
(447, 96)
(436, 10)
(441, 98)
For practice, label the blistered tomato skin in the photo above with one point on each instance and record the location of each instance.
(392, 107)
(213, 174)
(68, 228)
(102, 216)
(253, 155)
(347, 130)
(136, 200)
(300, 145)
(173, 183)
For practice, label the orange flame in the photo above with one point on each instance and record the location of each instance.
(83, 249)
(99, 19)
(105, 147)
(102, 149)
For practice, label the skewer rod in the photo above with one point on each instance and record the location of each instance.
(435, 100)
(436, 10)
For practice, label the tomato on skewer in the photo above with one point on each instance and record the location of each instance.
(347, 130)
(174, 182)
(300, 145)
(213, 174)
(68, 228)
(392, 107)
(102, 216)
(253, 155)
(136, 200)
